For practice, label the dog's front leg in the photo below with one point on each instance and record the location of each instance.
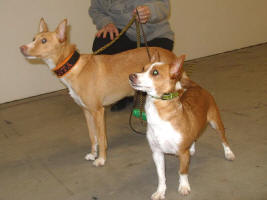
(158, 158)
(99, 122)
(92, 134)
(184, 187)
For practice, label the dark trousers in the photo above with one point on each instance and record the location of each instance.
(124, 43)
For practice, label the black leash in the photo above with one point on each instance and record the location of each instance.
(139, 96)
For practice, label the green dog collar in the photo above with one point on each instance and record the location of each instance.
(167, 96)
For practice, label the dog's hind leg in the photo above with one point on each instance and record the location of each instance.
(192, 149)
(92, 134)
(215, 121)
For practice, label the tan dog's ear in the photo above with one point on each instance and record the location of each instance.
(43, 26)
(61, 31)
(155, 57)
(177, 66)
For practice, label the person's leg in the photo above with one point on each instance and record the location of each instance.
(164, 43)
(122, 44)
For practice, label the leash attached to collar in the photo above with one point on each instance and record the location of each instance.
(64, 67)
(138, 113)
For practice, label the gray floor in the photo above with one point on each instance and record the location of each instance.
(43, 141)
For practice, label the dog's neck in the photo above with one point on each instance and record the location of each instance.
(65, 67)
(178, 90)
(57, 58)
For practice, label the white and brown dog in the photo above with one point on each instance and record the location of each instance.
(94, 81)
(177, 111)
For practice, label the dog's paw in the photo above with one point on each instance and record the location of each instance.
(158, 195)
(89, 156)
(99, 162)
(229, 155)
(184, 189)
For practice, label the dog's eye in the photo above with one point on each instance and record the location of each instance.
(44, 40)
(155, 72)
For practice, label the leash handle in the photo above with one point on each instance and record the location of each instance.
(143, 33)
(116, 38)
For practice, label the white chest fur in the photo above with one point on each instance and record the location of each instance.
(72, 93)
(160, 134)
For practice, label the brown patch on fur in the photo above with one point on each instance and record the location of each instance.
(188, 114)
(98, 80)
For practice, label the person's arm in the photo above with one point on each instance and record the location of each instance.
(159, 10)
(98, 15)
(103, 22)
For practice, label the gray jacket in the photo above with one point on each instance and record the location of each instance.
(119, 12)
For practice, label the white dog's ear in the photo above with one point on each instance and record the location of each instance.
(176, 66)
(155, 57)
(43, 26)
(61, 31)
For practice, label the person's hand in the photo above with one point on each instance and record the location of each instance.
(109, 28)
(144, 14)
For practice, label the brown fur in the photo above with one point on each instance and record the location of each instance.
(99, 80)
(188, 114)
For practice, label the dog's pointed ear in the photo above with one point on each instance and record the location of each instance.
(155, 57)
(61, 31)
(43, 26)
(176, 66)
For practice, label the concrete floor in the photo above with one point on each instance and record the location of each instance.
(43, 141)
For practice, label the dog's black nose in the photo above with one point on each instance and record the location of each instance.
(133, 77)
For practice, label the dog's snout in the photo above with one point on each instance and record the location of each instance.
(23, 49)
(133, 77)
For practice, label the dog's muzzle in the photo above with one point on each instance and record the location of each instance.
(23, 50)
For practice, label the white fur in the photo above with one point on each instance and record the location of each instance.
(160, 134)
(145, 83)
(184, 187)
(50, 63)
(72, 93)
(162, 138)
(90, 156)
(192, 149)
(160, 165)
(99, 162)
(178, 85)
(213, 125)
(229, 155)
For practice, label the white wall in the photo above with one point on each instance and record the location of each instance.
(19, 21)
(201, 27)
(208, 27)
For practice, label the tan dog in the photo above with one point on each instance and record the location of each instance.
(177, 112)
(94, 81)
